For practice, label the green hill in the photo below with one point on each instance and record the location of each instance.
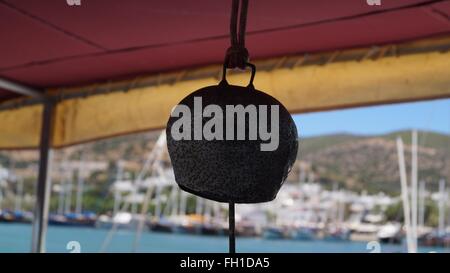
(371, 163)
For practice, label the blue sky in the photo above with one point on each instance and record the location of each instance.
(429, 115)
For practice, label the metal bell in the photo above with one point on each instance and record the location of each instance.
(212, 158)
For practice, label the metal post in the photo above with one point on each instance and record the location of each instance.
(40, 218)
(414, 178)
(231, 226)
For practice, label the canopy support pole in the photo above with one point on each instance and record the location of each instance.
(231, 228)
(40, 219)
(20, 89)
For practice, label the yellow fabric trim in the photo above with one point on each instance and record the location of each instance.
(302, 89)
(20, 128)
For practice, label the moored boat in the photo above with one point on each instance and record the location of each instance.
(337, 235)
(273, 233)
(303, 233)
(390, 233)
(9, 216)
(73, 220)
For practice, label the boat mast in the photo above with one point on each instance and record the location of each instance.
(301, 175)
(175, 200)
(207, 210)
(1, 196)
(80, 186)
(198, 205)
(69, 185)
(341, 208)
(61, 197)
(117, 194)
(168, 204)
(183, 200)
(158, 201)
(62, 189)
(335, 209)
(19, 187)
(169, 209)
(19, 194)
(441, 206)
(447, 193)
(216, 210)
(422, 204)
(404, 189)
(153, 162)
(311, 178)
(414, 177)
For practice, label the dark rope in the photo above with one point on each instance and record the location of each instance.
(237, 54)
(243, 22)
(231, 233)
(233, 22)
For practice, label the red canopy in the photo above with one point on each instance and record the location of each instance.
(49, 43)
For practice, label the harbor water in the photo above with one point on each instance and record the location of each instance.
(17, 238)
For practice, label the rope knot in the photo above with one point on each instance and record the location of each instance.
(236, 57)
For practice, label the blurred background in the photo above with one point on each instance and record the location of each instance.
(343, 192)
